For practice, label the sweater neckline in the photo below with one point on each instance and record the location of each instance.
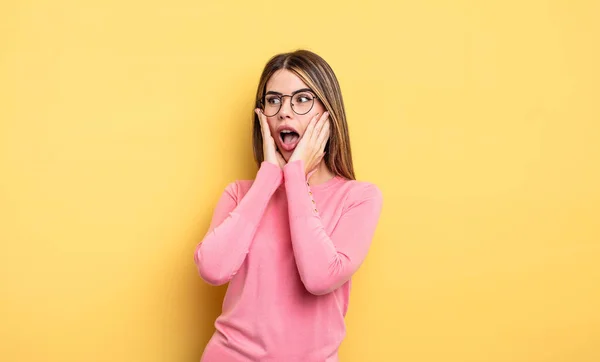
(327, 184)
(335, 180)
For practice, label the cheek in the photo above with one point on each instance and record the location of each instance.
(305, 120)
(271, 123)
(318, 108)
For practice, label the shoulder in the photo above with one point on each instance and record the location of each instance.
(266, 174)
(360, 192)
(238, 188)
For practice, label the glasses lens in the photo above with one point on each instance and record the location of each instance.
(272, 105)
(302, 102)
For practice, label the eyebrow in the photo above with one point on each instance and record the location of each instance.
(294, 92)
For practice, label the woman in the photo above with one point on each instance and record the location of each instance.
(289, 241)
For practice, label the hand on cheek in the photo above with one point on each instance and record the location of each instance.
(311, 147)
(270, 151)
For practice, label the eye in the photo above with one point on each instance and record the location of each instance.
(273, 100)
(303, 97)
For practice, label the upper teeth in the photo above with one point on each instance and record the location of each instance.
(286, 131)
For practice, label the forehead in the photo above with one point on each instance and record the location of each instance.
(284, 81)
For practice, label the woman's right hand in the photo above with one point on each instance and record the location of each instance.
(270, 152)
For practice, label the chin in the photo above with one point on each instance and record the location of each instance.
(286, 155)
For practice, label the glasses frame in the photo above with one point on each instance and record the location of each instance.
(282, 96)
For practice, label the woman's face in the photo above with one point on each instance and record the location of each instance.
(287, 127)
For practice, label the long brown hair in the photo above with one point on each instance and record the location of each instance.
(318, 75)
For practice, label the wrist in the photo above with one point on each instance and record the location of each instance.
(270, 167)
(293, 158)
(294, 163)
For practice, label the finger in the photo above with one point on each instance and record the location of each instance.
(321, 122)
(321, 127)
(264, 125)
(324, 136)
(261, 116)
(257, 111)
(311, 125)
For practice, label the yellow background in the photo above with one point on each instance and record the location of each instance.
(122, 122)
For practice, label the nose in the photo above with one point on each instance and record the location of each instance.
(286, 108)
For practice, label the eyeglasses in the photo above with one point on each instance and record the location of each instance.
(302, 102)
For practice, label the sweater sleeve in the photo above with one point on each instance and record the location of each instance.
(223, 249)
(325, 262)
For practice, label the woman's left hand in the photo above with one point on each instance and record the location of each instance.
(311, 147)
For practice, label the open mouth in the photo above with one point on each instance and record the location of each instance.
(289, 139)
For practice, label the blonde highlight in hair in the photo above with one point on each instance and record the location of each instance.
(320, 78)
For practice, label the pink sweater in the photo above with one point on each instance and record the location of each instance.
(288, 251)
